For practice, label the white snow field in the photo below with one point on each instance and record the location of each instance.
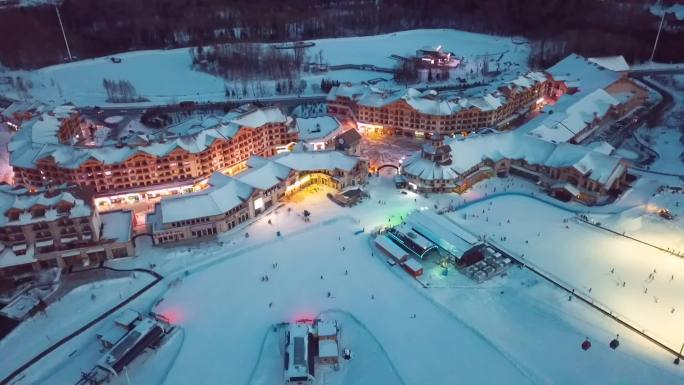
(637, 282)
(515, 329)
(165, 76)
(225, 325)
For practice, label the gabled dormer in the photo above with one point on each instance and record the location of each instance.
(13, 214)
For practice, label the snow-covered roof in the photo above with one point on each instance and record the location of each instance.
(21, 107)
(317, 160)
(413, 265)
(440, 230)
(384, 242)
(297, 349)
(223, 194)
(116, 225)
(316, 128)
(561, 126)
(528, 80)
(579, 72)
(37, 138)
(263, 173)
(427, 102)
(23, 201)
(613, 63)
(327, 348)
(327, 328)
(603, 147)
(260, 117)
(469, 153)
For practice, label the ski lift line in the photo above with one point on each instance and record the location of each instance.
(629, 237)
(593, 304)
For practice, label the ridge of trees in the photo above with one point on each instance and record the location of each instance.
(102, 27)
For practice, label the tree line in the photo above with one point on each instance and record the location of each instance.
(102, 27)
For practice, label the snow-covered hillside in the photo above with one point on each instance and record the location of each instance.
(165, 76)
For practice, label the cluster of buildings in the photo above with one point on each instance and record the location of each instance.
(586, 174)
(185, 169)
(588, 94)
(595, 88)
(58, 227)
(591, 94)
(231, 200)
(47, 149)
(123, 341)
(414, 113)
(426, 234)
(206, 176)
(307, 345)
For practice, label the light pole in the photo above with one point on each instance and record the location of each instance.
(61, 26)
(662, 20)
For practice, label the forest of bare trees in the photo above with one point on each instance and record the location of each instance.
(101, 27)
(248, 61)
(121, 91)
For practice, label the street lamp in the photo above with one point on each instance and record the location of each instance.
(61, 26)
(662, 20)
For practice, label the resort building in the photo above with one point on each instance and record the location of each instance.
(54, 148)
(317, 133)
(414, 113)
(58, 227)
(567, 171)
(231, 200)
(591, 94)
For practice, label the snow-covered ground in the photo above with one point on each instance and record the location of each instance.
(165, 76)
(514, 329)
(61, 318)
(637, 282)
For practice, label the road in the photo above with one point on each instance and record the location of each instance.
(137, 109)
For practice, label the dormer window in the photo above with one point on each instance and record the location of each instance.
(13, 214)
(38, 212)
(63, 209)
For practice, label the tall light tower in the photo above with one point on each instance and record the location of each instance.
(662, 20)
(61, 26)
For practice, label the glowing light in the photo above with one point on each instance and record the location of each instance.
(297, 183)
(172, 315)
